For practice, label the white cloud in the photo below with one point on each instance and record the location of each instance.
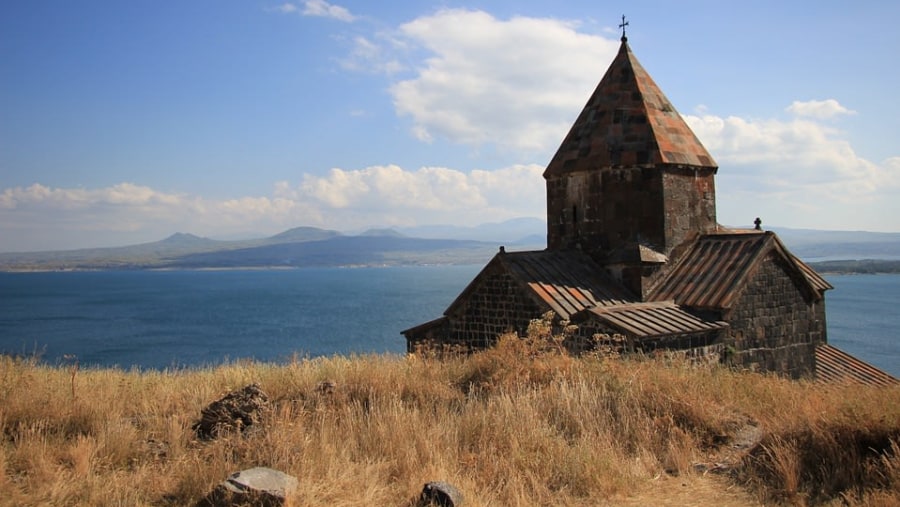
(516, 84)
(818, 109)
(390, 195)
(123, 194)
(318, 8)
(286, 8)
(367, 55)
(798, 173)
(325, 9)
(39, 217)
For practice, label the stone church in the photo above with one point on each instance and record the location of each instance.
(634, 250)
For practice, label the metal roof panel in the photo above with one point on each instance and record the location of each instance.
(715, 268)
(835, 365)
(568, 281)
(653, 320)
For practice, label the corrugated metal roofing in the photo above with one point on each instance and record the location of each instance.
(426, 326)
(712, 272)
(815, 279)
(628, 121)
(568, 281)
(650, 320)
(835, 365)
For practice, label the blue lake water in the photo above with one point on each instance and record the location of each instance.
(160, 319)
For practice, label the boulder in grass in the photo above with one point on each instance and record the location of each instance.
(440, 494)
(256, 487)
(234, 412)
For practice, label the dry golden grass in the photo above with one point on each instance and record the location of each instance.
(513, 426)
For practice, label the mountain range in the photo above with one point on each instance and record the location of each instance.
(439, 244)
(297, 247)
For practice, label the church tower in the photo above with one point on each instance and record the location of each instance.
(630, 182)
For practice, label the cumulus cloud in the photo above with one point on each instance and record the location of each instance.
(41, 217)
(819, 109)
(800, 173)
(123, 194)
(390, 195)
(797, 173)
(516, 84)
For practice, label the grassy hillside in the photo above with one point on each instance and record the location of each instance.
(521, 424)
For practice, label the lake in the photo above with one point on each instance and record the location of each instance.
(161, 319)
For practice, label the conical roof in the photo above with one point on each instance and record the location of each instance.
(628, 121)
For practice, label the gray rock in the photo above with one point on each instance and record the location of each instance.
(236, 411)
(441, 494)
(255, 487)
(325, 387)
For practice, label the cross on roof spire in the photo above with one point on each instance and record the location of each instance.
(622, 25)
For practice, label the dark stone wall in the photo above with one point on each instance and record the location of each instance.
(495, 305)
(705, 347)
(690, 205)
(775, 326)
(608, 209)
(429, 335)
(605, 209)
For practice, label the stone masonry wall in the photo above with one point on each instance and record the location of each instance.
(604, 210)
(496, 305)
(774, 326)
(690, 205)
(615, 207)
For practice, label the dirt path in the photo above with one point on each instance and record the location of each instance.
(695, 490)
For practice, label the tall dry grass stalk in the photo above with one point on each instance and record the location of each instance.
(521, 424)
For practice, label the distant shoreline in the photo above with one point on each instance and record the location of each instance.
(857, 267)
(229, 268)
(835, 267)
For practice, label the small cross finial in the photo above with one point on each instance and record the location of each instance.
(622, 25)
(758, 224)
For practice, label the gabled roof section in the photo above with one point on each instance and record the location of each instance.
(711, 274)
(426, 326)
(833, 365)
(653, 320)
(628, 121)
(815, 279)
(567, 281)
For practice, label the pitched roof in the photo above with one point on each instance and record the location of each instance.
(628, 121)
(653, 320)
(836, 366)
(567, 281)
(426, 326)
(714, 269)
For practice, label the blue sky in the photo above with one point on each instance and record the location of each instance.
(124, 122)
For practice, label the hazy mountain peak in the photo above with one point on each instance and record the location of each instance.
(184, 238)
(383, 232)
(303, 234)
